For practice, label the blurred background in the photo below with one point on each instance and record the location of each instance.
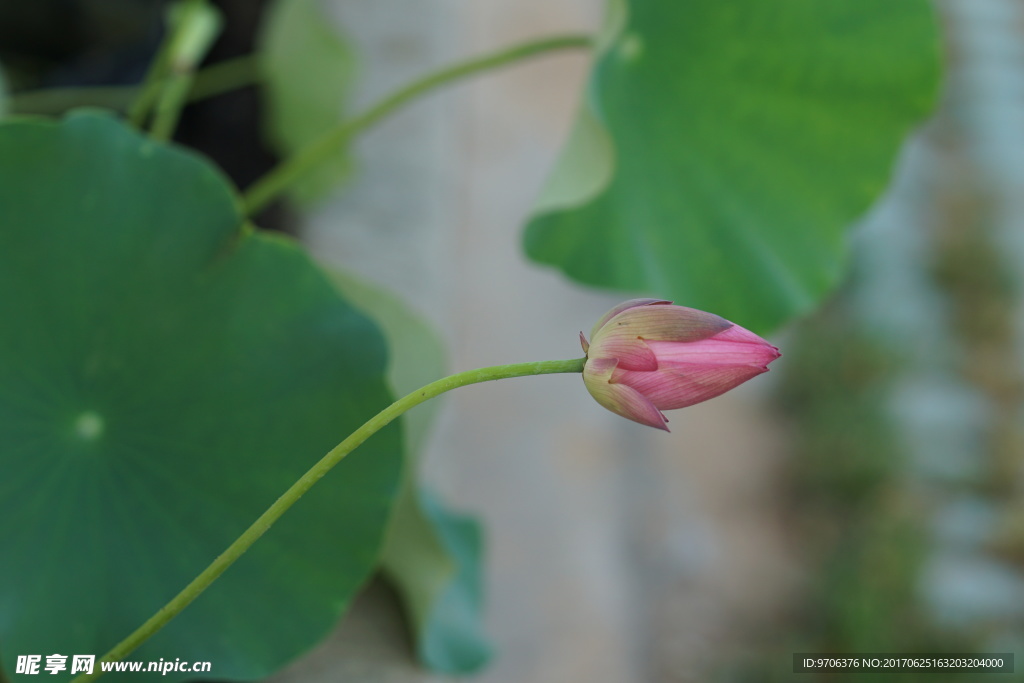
(866, 495)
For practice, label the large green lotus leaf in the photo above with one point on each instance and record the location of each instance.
(164, 377)
(725, 145)
(432, 555)
(307, 69)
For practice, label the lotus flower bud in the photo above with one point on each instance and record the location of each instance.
(646, 356)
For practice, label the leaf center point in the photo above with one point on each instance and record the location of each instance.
(89, 426)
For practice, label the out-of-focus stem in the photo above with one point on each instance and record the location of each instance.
(294, 168)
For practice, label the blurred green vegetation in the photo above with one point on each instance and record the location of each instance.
(860, 523)
(864, 509)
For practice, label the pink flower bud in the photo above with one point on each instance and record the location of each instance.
(646, 356)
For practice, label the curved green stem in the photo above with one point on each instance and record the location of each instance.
(182, 19)
(278, 180)
(224, 76)
(168, 107)
(149, 92)
(196, 24)
(306, 481)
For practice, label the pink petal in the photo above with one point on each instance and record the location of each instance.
(740, 334)
(635, 406)
(599, 369)
(663, 323)
(714, 351)
(631, 353)
(680, 387)
(620, 398)
(625, 305)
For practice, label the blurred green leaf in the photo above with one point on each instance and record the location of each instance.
(308, 69)
(432, 555)
(164, 377)
(447, 614)
(724, 147)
